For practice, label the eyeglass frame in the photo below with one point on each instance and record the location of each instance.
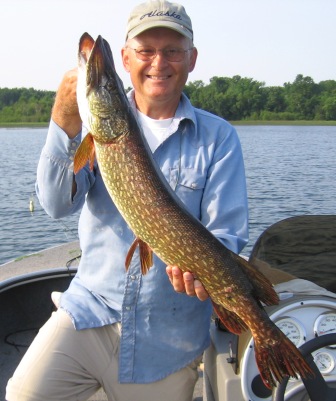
(163, 51)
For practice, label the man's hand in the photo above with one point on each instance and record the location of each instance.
(65, 111)
(185, 282)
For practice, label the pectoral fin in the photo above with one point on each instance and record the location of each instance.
(146, 255)
(85, 153)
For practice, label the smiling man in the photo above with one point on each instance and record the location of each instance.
(159, 61)
(138, 337)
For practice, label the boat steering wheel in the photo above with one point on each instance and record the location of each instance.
(316, 387)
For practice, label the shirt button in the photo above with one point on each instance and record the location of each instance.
(194, 185)
(128, 308)
(133, 277)
(73, 144)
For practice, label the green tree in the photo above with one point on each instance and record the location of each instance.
(20, 105)
(302, 97)
(192, 87)
(327, 107)
(274, 99)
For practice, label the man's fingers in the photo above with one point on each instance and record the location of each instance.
(189, 281)
(200, 291)
(176, 278)
(186, 282)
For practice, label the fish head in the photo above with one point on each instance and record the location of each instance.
(101, 98)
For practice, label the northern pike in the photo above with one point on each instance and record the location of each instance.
(161, 222)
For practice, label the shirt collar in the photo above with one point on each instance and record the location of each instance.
(184, 110)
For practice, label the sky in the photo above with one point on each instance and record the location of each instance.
(271, 41)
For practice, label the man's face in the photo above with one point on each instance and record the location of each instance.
(159, 79)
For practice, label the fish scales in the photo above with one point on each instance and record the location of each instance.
(162, 215)
(161, 222)
(159, 219)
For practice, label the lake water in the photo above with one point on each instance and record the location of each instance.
(290, 171)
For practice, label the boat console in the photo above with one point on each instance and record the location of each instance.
(304, 250)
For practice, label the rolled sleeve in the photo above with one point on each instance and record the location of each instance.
(55, 174)
(224, 204)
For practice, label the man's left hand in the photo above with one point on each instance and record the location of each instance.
(186, 282)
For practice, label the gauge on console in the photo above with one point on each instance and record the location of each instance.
(293, 329)
(325, 362)
(325, 324)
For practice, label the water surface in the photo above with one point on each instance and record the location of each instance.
(290, 171)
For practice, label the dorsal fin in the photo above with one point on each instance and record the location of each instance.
(263, 288)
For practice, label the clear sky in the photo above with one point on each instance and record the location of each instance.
(268, 40)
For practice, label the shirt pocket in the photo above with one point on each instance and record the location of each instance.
(189, 185)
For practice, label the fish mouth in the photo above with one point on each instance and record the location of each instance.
(98, 84)
(96, 57)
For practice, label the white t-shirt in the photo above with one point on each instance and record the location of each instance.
(156, 131)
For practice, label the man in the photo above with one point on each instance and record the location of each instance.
(134, 335)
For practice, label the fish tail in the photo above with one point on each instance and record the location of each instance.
(279, 359)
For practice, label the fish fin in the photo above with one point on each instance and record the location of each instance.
(263, 288)
(146, 257)
(130, 253)
(85, 153)
(229, 319)
(279, 359)
(145, 252)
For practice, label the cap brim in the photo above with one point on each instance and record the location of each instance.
(160, 24)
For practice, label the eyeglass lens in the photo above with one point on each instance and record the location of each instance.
(147, 53)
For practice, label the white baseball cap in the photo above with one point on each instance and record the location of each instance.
(159, 13)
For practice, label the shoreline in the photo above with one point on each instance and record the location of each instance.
(285, 122)
(24, 125)
(240, 122)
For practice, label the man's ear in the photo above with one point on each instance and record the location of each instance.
(125, 59)
(193, 58)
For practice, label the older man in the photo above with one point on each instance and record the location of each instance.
(138, 337)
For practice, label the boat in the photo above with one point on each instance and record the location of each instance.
(298, 254)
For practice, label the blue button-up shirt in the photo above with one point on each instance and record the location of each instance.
(162, 330)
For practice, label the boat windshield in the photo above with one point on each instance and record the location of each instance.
(304, 246)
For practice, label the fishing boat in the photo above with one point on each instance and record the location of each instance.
(299, 256)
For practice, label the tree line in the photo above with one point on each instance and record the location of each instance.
(234, 99)
(23, 105)
(240, 98)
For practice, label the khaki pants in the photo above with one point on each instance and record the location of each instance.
(56, 368)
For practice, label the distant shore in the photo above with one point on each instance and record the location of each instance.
(24, 125)
(241, 122)
(285, 122)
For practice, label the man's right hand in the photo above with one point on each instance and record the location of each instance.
(65, 111)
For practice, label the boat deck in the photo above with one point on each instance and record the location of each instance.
(65, 255)
(24, 309)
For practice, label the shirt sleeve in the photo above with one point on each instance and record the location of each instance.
(224, 208)
(55, 175)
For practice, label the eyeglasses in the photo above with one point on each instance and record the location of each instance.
(147, 53)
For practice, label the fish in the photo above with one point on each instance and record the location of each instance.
(160, 221)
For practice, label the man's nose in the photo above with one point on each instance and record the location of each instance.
(159, 59)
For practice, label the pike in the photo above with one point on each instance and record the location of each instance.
(161, 222)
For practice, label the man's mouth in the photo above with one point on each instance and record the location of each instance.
(158, 78)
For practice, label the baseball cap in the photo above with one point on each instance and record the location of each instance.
(159, 13)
